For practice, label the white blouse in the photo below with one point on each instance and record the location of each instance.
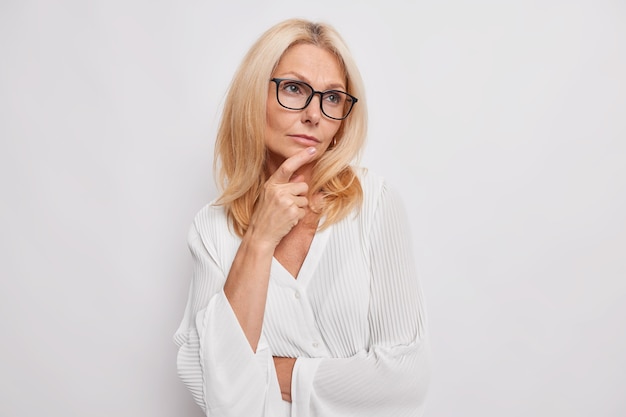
(353, 318)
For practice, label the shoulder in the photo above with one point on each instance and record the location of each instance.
(379, 196)
(211, 219)
(210, 227)
(371, 183)
(376, 190)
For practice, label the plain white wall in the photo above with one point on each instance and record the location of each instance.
(504, 123)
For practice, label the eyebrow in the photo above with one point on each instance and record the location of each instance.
(331, 86)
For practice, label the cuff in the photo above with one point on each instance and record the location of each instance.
(304, 372)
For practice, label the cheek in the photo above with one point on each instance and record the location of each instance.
(275, 118)
(333, 129)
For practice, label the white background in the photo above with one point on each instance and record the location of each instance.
(504, 123)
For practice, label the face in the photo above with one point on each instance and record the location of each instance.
(289, 131)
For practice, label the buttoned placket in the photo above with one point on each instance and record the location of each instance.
(314, 335)
(296, 291)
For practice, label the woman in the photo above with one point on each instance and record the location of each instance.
(304, 300)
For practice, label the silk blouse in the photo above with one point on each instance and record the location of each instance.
(354, 319)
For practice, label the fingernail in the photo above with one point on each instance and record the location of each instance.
(311, 150)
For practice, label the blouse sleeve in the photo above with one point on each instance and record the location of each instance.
(215, 360)
(391, 377)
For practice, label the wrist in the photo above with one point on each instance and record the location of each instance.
(255, 241)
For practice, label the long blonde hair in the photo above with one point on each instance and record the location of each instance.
(240, 153)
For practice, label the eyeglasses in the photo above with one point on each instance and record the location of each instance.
(296, 95)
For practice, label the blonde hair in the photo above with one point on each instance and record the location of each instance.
(240, 153)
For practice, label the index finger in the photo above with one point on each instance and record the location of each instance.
(291, 164)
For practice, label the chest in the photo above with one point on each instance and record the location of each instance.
(294, 247)
(323, 313)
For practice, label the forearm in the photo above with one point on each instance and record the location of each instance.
(384, 381)
(246, 286)
(284, 371)
(217, 364)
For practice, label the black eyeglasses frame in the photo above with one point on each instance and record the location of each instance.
(313, 93)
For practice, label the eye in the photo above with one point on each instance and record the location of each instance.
(292, 87)
(334, 97)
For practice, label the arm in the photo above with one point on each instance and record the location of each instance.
(281, 206)
(215, 360)
(284, 371)
(391, 377)
(222, 357)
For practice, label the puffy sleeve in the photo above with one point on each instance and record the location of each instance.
(391, 377)
(215, 360)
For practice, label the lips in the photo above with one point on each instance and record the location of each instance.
(306, 137)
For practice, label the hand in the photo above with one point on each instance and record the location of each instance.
(283, 202)
(284, 370)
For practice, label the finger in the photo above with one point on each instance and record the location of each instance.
(296, 188)
(301, 201)
(297, 178)
(286, 169)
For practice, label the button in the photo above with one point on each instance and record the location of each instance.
(297, 295)
(316, 345)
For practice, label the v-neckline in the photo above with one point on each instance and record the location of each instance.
(312, 258)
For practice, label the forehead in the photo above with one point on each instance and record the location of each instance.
(315, 64)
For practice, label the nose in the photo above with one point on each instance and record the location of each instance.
(313, 112)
